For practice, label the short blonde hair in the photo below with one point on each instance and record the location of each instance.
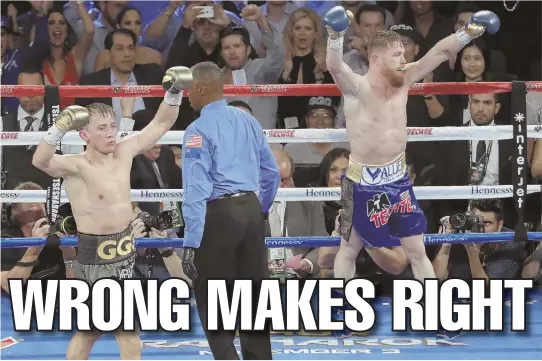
(382, 39)
(100, 109)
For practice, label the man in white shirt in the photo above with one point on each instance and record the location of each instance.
(296, 219)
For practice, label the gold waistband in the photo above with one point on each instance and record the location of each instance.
(355, 170)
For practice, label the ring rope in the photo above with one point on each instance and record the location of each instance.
(280, 242)
(293, 194)
(100, 91)
(415, 134)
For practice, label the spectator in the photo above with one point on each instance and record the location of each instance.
(161, 32)
(206, 44)
(369, 19)
(461, 16)
(155, 263)
(64, 61)
(332, 168)
(240, 69)
(28, 117)
(13, 61)
(479, 162)
(319, 113)
(31, 26)
(304, 63)
(534, 117)
(121, 44)
(105, 23)
(531, 265)
(296, 219)
(129, 18)
(40, 262)
(178, 153)
(155, 169)
(473, 65)
(431, 25)
(277, 14)
(354, 28)
(481, 261)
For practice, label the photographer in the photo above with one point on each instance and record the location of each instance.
(479, 260)
(161, 263)
(41, 262)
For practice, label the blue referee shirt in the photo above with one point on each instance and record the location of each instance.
(224, 152)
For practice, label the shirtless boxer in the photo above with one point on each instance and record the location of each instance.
(98, 187)
(377, 196)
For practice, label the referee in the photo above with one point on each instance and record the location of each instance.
(226, 160)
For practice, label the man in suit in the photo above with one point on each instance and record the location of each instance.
(479, 163)
(28, 117)
(296, 219)
(124, 71)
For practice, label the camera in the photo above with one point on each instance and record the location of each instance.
(66, 225)
(467, 222)
(161, 222)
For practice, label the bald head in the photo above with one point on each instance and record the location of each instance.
(207, 85)
(207, 73)
(286, 167)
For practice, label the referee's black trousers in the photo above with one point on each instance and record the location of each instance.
(233, 247)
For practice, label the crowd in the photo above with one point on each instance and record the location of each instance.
(277, 42)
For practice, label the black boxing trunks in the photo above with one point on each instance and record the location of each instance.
(379, 203)
(105, 256)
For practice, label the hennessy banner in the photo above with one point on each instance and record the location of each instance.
(519, 175)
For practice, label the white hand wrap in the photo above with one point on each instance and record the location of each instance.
(335, 44)
(463, 38)
(54, 135)
(172, 99)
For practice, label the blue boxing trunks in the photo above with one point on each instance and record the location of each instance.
(378, 202)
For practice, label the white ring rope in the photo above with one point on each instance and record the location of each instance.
(424, 134)
(294, 194)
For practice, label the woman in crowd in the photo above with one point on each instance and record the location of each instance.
(130, 18)
(305, 63)
(473, 65)
(65, 56)
(332, 168)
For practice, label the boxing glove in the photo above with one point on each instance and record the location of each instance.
(73, 117)
(337, 20)
(175, 81)
(478, 23)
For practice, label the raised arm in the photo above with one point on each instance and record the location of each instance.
(444, 49)
(80, 51)
(71, 118)
(176, 80)
(337, 21)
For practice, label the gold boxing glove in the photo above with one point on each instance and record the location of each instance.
(175, 81)
(71, 118)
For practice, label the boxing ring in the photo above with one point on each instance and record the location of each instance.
(380, 342)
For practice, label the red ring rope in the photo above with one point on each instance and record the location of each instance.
(100, 91)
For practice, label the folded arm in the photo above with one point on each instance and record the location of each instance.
(438, 54)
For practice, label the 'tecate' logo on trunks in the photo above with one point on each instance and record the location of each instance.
(378, 175)
(111, 249)
(379, 208)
